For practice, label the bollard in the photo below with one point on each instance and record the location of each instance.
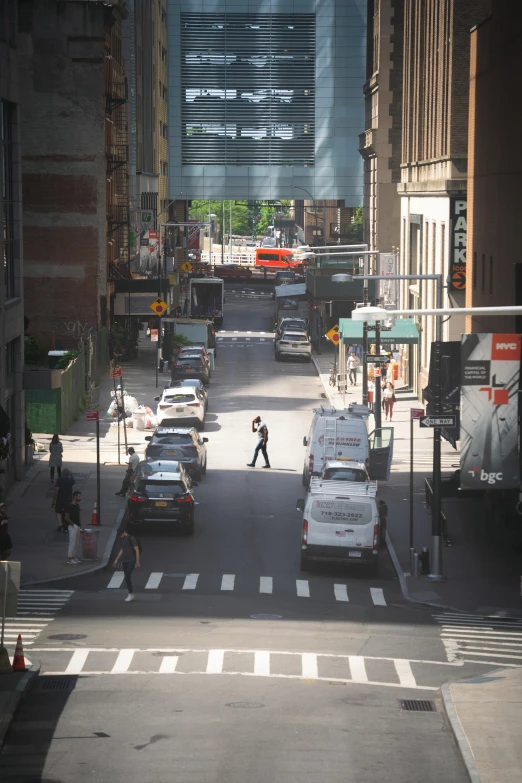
(424, 560)
(415, 569)
(412, 555)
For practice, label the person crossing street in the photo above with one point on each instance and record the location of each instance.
(262, 440)
(130, 557)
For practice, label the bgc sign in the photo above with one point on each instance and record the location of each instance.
(458, 243)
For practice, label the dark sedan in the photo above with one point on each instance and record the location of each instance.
(160, 493)
(179, 444)
(194, 367)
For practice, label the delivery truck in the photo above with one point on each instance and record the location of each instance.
(206, 296)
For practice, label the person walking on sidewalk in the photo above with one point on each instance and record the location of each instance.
(262, 440)
(63, 493)
(6, 545)
(72, 517)
(389, 400)
(55, 457)
(132, 464)
(130, 557)
(353, 364)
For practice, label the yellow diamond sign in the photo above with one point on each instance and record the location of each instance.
(159, 306)
(333, 335)
(186, 267)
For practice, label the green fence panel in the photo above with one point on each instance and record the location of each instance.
(43, 410)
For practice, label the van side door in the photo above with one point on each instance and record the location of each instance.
(381, 453)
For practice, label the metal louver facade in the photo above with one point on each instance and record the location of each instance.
(247, 85)
(266, 98)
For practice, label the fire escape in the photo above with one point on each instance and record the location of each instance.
(116, 154)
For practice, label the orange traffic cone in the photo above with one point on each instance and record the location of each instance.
(94, 518)
(19, 660)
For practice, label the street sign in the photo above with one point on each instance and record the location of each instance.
(146, 218)
(333, 334)
(370, 358)
(458, 281)
(115, 372)
(437, 421)
(159, 306)
(91, 416)
(154, 335)
(417, 413)
(186, 266)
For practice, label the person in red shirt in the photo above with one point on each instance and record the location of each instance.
(6, 544)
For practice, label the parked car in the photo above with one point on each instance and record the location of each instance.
(195, 367)
(344, 470)
(232, 271)
(194, 350)
(289, 325)
(296, 344)
(160, 493)
(180, 444)
(193, 383)
(181, 405)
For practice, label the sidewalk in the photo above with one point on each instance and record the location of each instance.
(32, 522)
(483, 564)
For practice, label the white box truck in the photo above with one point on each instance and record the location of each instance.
(206, 297)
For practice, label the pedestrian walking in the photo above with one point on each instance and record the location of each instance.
(132, 464)
(6, 545)
(262, 439)
(63, 494)
(72, 517)
(55, 456)
(353, 364)
(389, 400)
(130, 556)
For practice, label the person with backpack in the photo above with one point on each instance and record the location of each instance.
(130, 555)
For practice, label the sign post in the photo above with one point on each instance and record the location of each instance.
(415, 413)
(93, 415)
(116, 373)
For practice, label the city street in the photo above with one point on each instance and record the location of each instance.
(233, 664)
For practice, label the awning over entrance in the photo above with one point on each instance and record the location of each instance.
(404, 331)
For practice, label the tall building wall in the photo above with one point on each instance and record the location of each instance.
(266, 97)
(161, 107)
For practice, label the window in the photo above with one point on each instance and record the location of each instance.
(163, 54)
(474, 270)
(10, 358)
(8, 202)
(491, 274)
(483, 275)
(165, 169)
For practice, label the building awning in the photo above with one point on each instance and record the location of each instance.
(290, 290)
(404, 331)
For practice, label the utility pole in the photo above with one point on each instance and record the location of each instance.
(222, 231)
(377, 410)
(365, 339)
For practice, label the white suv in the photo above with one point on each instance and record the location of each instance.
(182, 405)
(294, 344)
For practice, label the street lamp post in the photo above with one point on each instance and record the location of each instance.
(298, 187)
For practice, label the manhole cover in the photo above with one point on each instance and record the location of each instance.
(266, 616)
(245, 705)
(417, 705)
(68, 637)
(55, 684)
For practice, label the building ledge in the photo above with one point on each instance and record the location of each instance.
(447, 187)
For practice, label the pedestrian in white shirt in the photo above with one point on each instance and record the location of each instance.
(353, 364)
(132, 464)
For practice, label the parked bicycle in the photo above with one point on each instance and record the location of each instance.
(333, 376)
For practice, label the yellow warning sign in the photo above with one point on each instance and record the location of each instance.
(333, 334)
(159, 307)
(186, 266)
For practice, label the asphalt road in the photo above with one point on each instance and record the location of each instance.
(233, 665)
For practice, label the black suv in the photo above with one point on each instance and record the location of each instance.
(179, 444)
(160, 493)
(191, 367)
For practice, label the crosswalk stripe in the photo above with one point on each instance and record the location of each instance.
(77, 662)
(190, 582)
(234, 338)
(357, 668)
(377, 595)
(227, 581)
(123, 661)
(154, 580)
(261, 339)
(404, 673)
(303, 588)
(116, 580)
(262, 663)
(247, 338)
(309, 664)
(168, 664)
(266, 584)
(341, 593)
(215, 661)
(474, 651)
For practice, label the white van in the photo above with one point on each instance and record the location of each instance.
(342, 435)
(341, 523)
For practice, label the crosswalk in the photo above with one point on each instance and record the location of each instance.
(265, 585)
(343, 669)
(424, 458)
(36, 609)
(488, 639)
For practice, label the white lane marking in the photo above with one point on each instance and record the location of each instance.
(42, 601)
(236, 331)
(247, 338)
(341, 593)
(309, 663)
(487, 636)
(234, 338)
(249, 332)
(303, 588)
(377, 595)
(215, 661)
(123, 661)
(154, 580)
(357, 668)
(190, 582)
(262, 332)
(77, 662)
(168, 664)
(475, 651)
(266, 584)
(261, 339)
(220, 339)
(227, 581)
(65, 593)
(116, 579)
(262, 663)
(404, 673)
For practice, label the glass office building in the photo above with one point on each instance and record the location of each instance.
(265, 97)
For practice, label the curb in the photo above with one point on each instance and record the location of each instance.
(6, 718)
(102, 564)
(318, 369)
(460, 735)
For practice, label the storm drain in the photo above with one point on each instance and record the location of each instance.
(417, 705)
(245, 705)
(56, 684)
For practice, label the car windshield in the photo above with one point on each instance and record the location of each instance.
(345, 474)
(178, 398)
(166, 439)
(287, 325)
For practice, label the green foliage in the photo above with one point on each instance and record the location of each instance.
(34, 353)
(172, 343)
(66, 359)
(243, 215)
